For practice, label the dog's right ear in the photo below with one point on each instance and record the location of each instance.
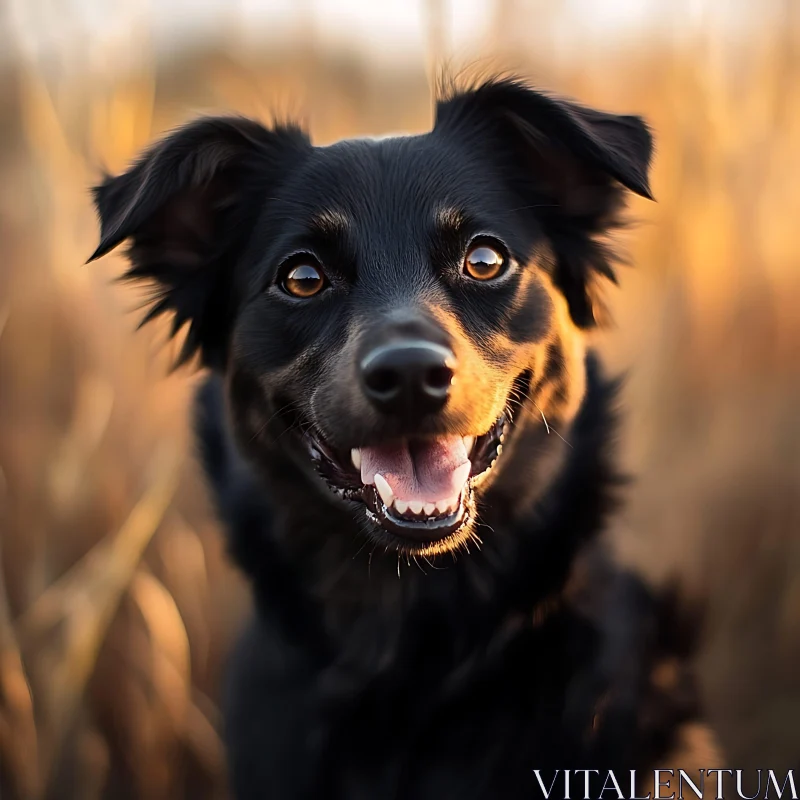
(189, 205)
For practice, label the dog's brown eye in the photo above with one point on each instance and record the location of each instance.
(304, 280)
(483, 262)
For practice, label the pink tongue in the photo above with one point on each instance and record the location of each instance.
(427, 471)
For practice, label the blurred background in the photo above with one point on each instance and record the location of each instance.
(117, 602)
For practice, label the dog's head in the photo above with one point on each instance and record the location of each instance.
(388, 314)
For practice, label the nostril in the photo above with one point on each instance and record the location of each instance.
(438, 379)
(382, 382)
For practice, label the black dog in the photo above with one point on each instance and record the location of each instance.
(410, 445)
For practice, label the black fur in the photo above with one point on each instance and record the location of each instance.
(377, 667)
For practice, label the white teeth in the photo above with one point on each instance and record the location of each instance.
(400, 507)
(355, 456)
(469, 441)
(499, 449)
(384, 490)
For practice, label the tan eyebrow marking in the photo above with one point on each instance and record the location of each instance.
(450, 218)
(330, 221)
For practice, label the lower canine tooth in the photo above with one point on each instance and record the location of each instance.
(429, 508)
(469, 441)
(416, 506)
(355, 456)
(400, 506)
(384, 490)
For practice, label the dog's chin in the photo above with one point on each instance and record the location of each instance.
(404, 513)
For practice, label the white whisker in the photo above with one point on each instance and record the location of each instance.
(550, 428)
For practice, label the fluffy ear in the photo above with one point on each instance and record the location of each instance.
(568, 164)
(188, 206)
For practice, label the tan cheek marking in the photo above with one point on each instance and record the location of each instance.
(561, 399)
(475, 361)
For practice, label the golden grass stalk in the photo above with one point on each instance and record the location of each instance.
(62, 632)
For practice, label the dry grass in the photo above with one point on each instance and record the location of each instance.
(117, 605)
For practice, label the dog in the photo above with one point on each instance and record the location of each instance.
(411, 445)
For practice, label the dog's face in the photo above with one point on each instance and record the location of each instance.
(388, 313)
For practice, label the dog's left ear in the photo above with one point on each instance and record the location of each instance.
(188, 207)
(568, 165)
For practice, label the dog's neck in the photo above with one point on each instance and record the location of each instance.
(325, 587)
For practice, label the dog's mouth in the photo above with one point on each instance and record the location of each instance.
(419, 491)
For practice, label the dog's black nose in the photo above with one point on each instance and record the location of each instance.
(410, 377)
